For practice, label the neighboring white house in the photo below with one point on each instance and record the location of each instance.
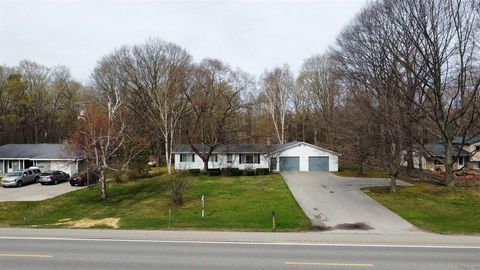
(45, 156)
(292, 156)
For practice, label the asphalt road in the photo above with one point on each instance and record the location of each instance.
(337, 203)
(138, 254)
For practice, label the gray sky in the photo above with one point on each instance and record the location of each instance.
(250, 35)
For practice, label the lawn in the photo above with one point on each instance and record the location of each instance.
(238, 203)
(433, 207)
(355, 172)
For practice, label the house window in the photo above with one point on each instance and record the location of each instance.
(437, 162)
(187, 157)
(10, 164)
(22, 164)
(213, 158)
(229, 158)
(250, 159)
(461, 161)
(478, 165)
(477, 148)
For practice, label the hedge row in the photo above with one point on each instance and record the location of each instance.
(231, 171)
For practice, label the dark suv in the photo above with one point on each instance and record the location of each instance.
(53, 177)
(84, 178)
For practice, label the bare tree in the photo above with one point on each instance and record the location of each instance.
(155, 76)
(319, 82)
(367, 64)
(214, 100)
(443, 36)
(278, 86)
(102, 132)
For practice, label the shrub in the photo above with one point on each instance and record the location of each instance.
(249, 172)
(214, 172)
(120, 177)
(177, 185)
(194, 171)
(262, 171)
(231, 172)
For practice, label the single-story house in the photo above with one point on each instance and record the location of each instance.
(292, 156)
(468, 154)
(45, 156)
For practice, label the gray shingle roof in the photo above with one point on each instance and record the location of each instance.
(438, 149)
(37, 151)
(240, 148)
(469, 139)
(224, 148)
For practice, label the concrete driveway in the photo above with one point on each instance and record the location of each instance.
(34, 192)
(337, 203)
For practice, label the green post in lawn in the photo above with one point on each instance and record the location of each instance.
(203, 206)
(274, 225)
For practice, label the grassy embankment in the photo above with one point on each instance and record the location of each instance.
(238, 203)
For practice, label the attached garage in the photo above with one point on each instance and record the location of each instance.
(318, 164)
(303, 157)
(45, 156)
(289, 164)
(65, 166)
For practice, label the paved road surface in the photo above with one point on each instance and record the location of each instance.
(337, 203)
(34, 192)
(121, 254)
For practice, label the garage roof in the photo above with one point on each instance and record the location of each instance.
(37, 152)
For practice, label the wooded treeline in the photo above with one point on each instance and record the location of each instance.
(402, 74)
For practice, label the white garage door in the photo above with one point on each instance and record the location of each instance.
(60, 166)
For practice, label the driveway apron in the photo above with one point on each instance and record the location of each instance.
(337, 203)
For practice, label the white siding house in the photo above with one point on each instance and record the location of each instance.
(293, 156)
(45, 156)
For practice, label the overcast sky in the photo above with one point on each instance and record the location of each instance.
(251, 35)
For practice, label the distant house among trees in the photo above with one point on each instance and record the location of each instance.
(466, 154)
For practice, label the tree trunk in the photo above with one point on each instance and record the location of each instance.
(103, 184)
(168, 158)
(205, 165)
(449, 181)
(393, 183)
(410, 165)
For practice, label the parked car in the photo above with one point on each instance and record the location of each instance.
(53, 177)
(80, 179)
(20, 178)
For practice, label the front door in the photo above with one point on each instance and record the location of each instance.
(10, 166)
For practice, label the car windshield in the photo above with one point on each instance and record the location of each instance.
(46, 173)
(17, 173)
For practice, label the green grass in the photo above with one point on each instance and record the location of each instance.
(355, 172)
(239, 203)
(433, 207)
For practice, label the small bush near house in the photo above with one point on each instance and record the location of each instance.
(214, 172)
(231, 172)
(262, 171)
(137, 175)
(120, 177)
(249, 172)
(194, 171)
(178, 185)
